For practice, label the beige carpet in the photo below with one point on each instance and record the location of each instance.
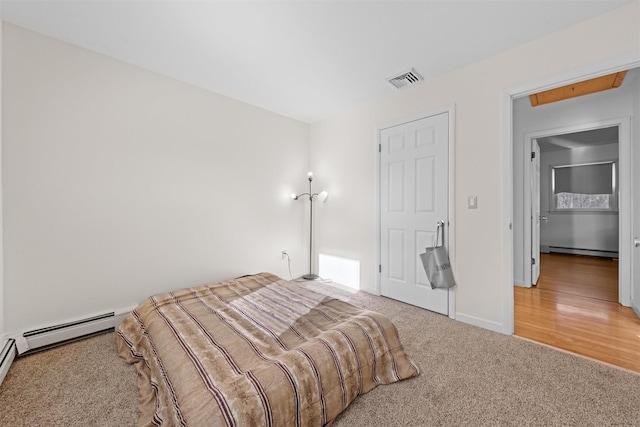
(469, 376)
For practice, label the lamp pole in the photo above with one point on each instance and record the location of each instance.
(311, 276)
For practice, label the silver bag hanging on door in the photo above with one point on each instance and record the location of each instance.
(436, 263)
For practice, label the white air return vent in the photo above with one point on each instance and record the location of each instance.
(405, 79)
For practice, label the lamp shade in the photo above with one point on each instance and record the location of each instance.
(322, 196)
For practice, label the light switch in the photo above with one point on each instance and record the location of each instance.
(472, 202)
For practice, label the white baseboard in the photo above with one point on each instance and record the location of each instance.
(369, 290)
(481, 323)
(7, 355)
(520, 283)
(635, 308)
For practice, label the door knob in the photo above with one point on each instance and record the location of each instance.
(543, 218)
(636, 242)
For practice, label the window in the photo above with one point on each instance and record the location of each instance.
(584, 187)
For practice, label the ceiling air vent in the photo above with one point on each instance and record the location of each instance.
(405, 79)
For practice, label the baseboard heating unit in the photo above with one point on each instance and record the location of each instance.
(53, 336)
(7, 354)
(580, 251)
(43, 338)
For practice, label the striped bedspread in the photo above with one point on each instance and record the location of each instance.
(256, 351)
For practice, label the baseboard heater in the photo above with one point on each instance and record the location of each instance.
(580, 251)
(52, 336)
(7, 354)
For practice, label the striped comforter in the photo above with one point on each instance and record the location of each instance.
(256, 351)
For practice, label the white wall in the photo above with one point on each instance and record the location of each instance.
(1, 202)
(596, 231)
(120, 183)
(343, 152)
(527, 120)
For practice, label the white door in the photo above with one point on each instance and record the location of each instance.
(535, 211)
(414, 178)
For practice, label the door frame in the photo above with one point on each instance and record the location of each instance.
(589, 71)
(450, 231)
(624, 202)
(534, 223)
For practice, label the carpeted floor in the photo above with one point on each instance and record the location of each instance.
(469, 377)
(79, 384)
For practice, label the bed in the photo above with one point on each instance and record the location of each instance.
(256, 351)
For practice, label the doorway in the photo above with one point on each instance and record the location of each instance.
(572, 119)
(575, 303)
(588, 162)
(574, 196)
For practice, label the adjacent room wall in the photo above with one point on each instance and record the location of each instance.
(593, 231)
(343, 152)
(120, 183)
(527, 120)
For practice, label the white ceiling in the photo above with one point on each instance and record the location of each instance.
(303, 59)
(579, 139)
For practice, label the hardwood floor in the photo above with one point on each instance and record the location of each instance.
(574, 307)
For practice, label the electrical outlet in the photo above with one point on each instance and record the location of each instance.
(284, 254)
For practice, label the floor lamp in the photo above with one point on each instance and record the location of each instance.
(322, 196)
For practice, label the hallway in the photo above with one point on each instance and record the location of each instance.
(574, 307)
